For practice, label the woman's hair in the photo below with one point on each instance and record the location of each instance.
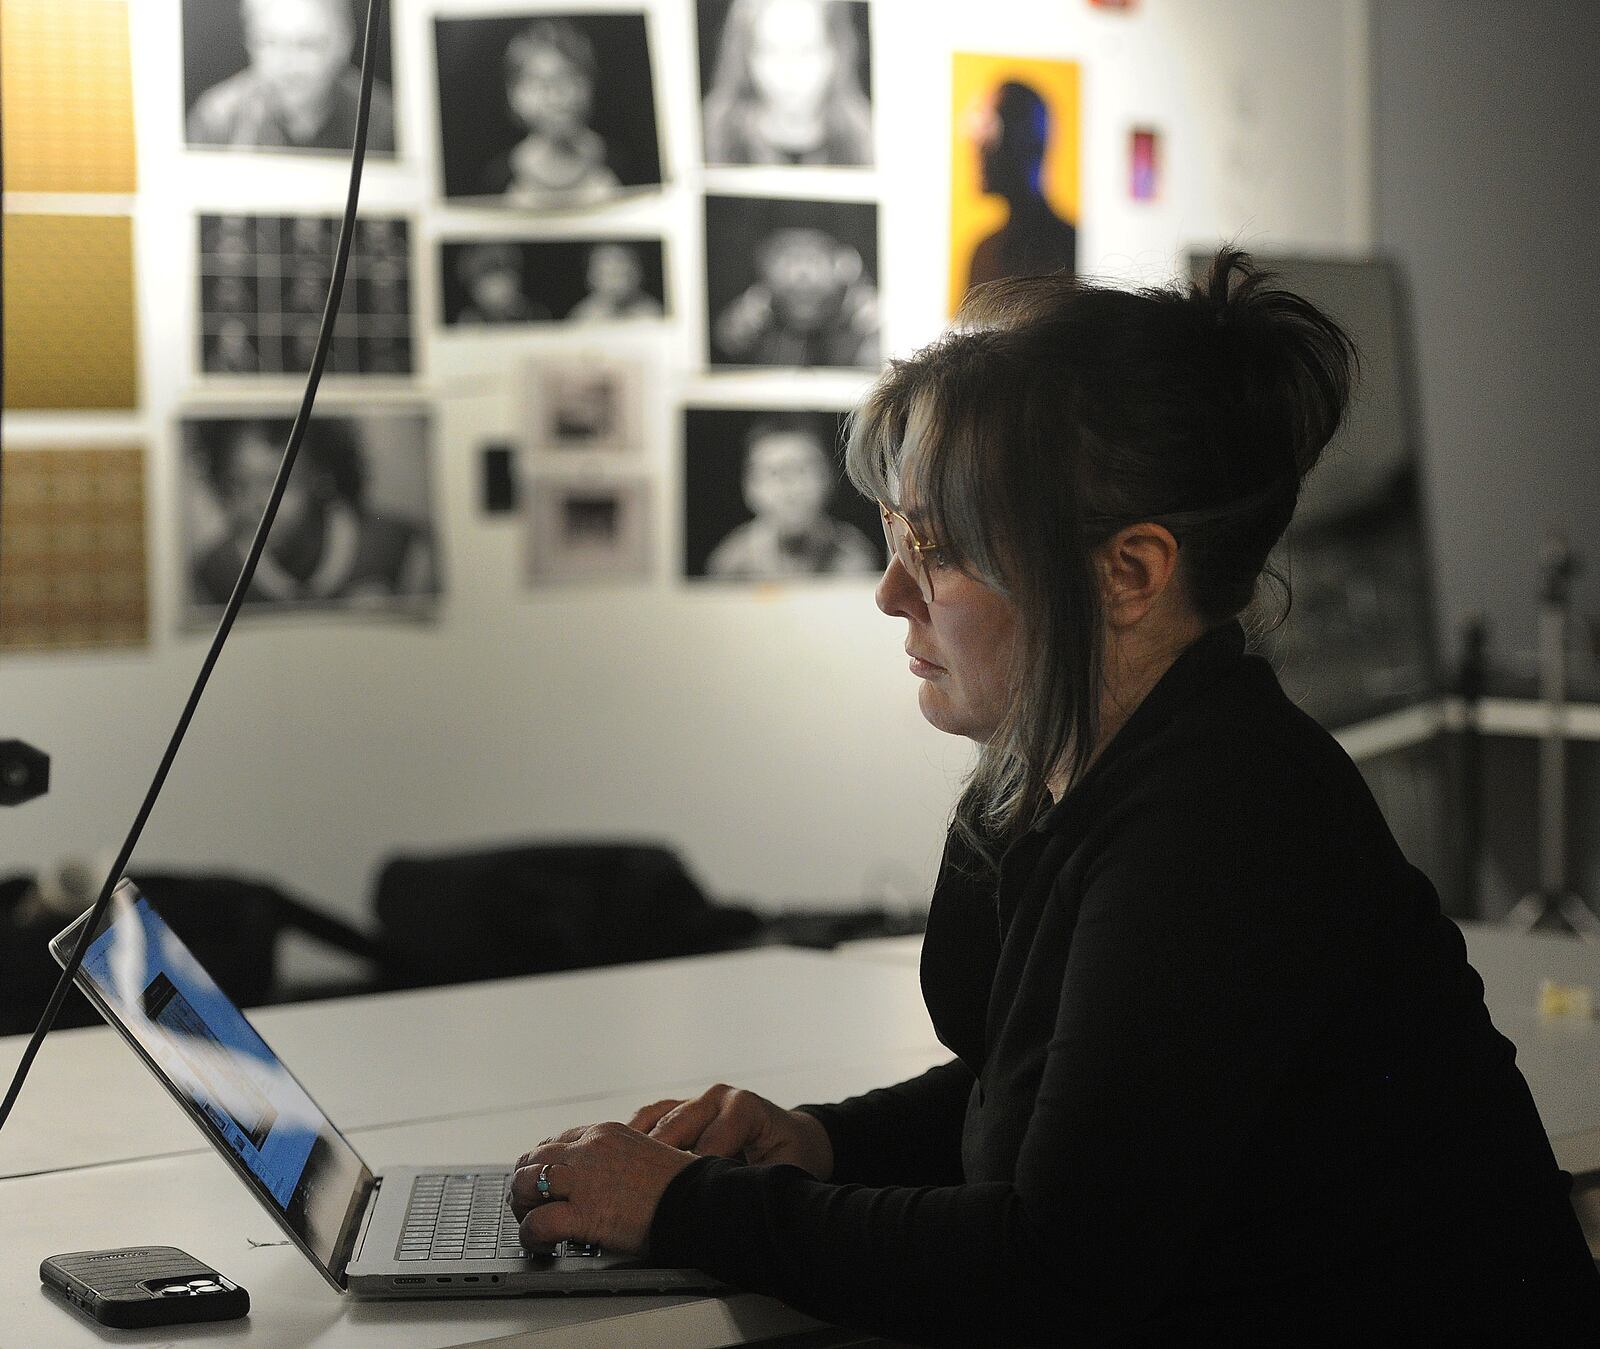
(1057, 412)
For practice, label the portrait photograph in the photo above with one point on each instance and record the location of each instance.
(792, 283)
(785, 82)
(262, 284)
(546, 111)
(587, 530)
(505, 281)
(356, 527)
(581, 403)
(765, 498)
(283, 75)
(1015, 165)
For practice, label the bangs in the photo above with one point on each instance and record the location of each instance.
(930, 441)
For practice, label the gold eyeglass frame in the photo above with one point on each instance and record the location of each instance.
(921, 550)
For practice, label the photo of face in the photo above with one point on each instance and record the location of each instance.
(787, 480)
(546, 111)
(785, 82)
(294, 82)
(352, 528)
(547, 280)
(764, 499)
(811, 299)
(548, 88)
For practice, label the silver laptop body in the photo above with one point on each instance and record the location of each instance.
(367, 1234)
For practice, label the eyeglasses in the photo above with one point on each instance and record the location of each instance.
(915, 554)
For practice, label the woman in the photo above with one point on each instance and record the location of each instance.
(1222, 1072)
(785, 89)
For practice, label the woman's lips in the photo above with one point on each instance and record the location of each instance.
(924, 669)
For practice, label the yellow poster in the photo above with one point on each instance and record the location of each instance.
(66, 96)
(72, 549)
(69, 316)
(1014, 168)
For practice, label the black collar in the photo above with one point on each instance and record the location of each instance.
(1197, 665)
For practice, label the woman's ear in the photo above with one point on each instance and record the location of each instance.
(1137, 566)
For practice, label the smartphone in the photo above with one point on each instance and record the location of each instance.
(143, 1286)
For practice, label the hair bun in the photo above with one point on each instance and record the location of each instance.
(1279, 343)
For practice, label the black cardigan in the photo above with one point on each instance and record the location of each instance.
(1221, 1068)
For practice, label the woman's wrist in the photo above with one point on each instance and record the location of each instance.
(816, 1146)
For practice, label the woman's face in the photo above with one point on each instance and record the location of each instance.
(961, 646)
(548, 93)
(791, 59)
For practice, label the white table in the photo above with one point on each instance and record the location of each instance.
(96, 1155)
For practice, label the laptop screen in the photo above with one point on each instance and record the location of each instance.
(151, 987)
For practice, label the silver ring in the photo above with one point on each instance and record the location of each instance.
(542, 1183)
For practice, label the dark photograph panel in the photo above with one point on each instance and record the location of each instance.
(792, 282)
(785, 82)
(502, 281)
(283, 75)
(355, 529)
(547, 110)
(263, 284)
(766, 499)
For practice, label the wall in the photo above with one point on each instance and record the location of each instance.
(772, 734)
(1485, 192)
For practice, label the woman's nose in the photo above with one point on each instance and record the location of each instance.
(897, 593)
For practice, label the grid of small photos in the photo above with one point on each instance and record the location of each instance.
(264, 285)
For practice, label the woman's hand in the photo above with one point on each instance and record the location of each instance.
(725, 1121)
(604, 1184)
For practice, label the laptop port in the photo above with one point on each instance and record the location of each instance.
(408, 1278)
(469, 1278)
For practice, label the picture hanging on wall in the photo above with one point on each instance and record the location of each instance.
(588, 530)
(1014, 169)
(785, 82)
(70, 330)
(355, 531)
(283, 75)
(263, 283)
(67, 89)
(581, 402)
(792, 283)
(501, 281)
(765, 500)
(547, 111)
(72, 549)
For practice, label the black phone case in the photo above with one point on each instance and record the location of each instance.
(124, 1287)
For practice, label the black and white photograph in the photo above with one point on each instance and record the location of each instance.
(355, 530)
(283, 75)
(785, 82)
(547, 111)
(504, 281)
(581, 402)
(263, 284)
(792, 283)
(588, 530)
(766, 499)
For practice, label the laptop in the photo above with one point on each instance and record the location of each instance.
(416, 1231)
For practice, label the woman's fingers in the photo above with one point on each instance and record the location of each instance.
(682, 1125)
(647, 1117)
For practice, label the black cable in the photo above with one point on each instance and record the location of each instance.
(231, 611)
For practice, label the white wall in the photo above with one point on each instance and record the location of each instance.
(772, 734)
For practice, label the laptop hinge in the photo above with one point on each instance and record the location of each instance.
(362, 1204)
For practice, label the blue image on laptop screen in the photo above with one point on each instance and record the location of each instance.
(203, 1045)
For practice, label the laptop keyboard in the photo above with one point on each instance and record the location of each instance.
(458, 1216)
